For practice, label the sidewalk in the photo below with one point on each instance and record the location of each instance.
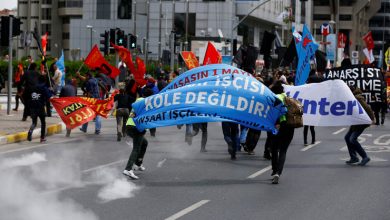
(13, 129)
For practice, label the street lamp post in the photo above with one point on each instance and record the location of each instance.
(91, 28)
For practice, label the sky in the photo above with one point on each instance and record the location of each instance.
(9, 4)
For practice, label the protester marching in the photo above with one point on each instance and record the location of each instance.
(244, 100)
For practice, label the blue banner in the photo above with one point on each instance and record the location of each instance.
(236, 98)
(305, 53)
(204, 73)
(61, 66)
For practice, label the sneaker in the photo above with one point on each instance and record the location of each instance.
(83, 130)
(251, 152)
(364, 161)
(275, 179)
(24, 119)
(130, 174)
(43, 140)
(313, 142)
(305, 144)
(139, 168)
(29, 136)
(233, 156)
(119, 137)
(382, 121)
(97, 132)
(202, 149)
(352, 161)
(14, 110)
(267, 156)
(273, 173)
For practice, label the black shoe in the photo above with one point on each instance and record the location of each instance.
(267, 156)
(364, 161)
(119, 137)
(230, 148)
(382, 121)
(81, 129)
(313, 141)
(24, 119)
(29, 136)
(203, 149)
(352, 161)
(97, 131)
(233, 156)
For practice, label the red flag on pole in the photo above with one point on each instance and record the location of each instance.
(96, 60)
(369, 40)
(139, 75)
(44, 43)
(190, 59)
(212, 56)
(125, 56)
(342, 38)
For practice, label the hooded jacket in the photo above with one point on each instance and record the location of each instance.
(358, 95)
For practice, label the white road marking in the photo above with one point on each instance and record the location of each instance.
(159, 164)
(258, 173)
(187, 210)
(36, 146)
(339, 131)
(373, 159)
(311, 146)
(103, 166)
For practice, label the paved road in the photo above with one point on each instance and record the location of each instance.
(80, 178)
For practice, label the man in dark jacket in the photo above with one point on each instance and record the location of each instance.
(69, 90)
(37, 102)
(29, 81)
(351, 138)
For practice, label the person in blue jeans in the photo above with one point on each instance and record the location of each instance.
(351, 138)
(91, 89)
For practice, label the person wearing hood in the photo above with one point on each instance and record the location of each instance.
(351, 138)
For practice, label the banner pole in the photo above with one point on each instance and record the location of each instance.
(80, 67)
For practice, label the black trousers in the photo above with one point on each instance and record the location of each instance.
(230, 134)
(203, 127)
(35, 114)
(26, 97)
(139, 147)
(280, 143)
(312, 131)
(252, 138)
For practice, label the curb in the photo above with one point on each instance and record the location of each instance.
(22, 136)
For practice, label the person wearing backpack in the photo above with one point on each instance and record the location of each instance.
(281, 141)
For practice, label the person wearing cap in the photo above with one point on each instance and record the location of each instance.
(123, 108)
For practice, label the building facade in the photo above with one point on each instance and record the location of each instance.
(76, 25)
(380, 28)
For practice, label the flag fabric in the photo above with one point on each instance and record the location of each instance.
(387, 57)
(44, 43)
(139, 75)
(212, 56)
(342, 38)
(369, 40)
(125, 56)
(325, 29)
(369, 54)
(61, 66)
(290, 53)
(75, 111)
(37, 38)
(306, 50)
(343, 110)
(96, 60)
(233, 96)
(190, 59)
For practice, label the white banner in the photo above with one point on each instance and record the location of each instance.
(330, 103)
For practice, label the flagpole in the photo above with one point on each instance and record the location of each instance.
(81, 66)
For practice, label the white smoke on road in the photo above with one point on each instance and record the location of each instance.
(21, 191)
(114, 186)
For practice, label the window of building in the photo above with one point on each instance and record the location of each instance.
(46, 28)
(321, 3)
(385, 7)
(65, 36)
(180, 24)
(321, 17)
(70, 4)
(47, 2)
(66, 20)
(103, 9)
(46, 13)
(125, 9)
(345, 17)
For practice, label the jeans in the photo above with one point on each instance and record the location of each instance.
(351, 138)
(34, 116)
(243, 134)
(252, 139)
(122, 114)
(139, 147)
(280, 143)
(98, 124)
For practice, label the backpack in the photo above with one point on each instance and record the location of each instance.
(294, 112)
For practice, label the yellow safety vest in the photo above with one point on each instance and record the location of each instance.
(130, 121)
(282, 96)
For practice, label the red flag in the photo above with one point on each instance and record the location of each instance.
(139, 74)
(75, 111)
(190, 59)
(212, 56)
(44, 43)
(96, 60)
(369, 40)
(342, 38)
(125, 55)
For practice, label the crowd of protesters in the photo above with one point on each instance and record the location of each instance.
(36, 85)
